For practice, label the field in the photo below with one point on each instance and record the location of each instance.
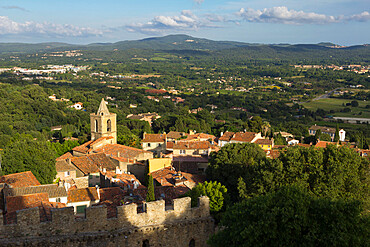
(337, 104)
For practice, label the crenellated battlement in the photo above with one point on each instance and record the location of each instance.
(63, 221)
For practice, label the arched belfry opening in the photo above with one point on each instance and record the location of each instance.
(103, 123)
(109, 125)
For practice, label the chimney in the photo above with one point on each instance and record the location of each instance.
(98, 191)
(118, 171)
(222, 133)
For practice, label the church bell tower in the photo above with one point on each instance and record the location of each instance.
(103, 123)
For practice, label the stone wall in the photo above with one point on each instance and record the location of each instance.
(160, 226)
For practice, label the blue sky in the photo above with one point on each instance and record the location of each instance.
(344, 22)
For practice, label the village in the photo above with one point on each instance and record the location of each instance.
(102, 172)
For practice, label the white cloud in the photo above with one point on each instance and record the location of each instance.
(161, 24)
(14, 7)
(284, 15)
(362, 17)
(8, 26)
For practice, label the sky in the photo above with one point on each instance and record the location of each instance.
(343, 22)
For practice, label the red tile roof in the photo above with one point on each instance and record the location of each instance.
(303, 145)
(14, 203)
(192, 145)
(64, 156)
(273, 154)
(244, 136)
(226, 136)
(92, 162)
(175, 135)
(323, 144)
(83, 195)
(22, 179)
(165, 177)
(199, 136)
(154, 138)
(263, 142)
(323, 129)
(123, 179)
(89, 146)
(122, 151)
(31, 201)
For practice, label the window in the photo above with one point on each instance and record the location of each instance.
(148, 145)
(67, 173)
(90, 176)
(182, 151)
(109, 125)
(80, 209)
(96, 126)
(146, 243)
(58, 199)
(192, 243)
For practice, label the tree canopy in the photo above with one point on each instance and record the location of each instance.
(27, 154)
(231, 162)
(292, 216)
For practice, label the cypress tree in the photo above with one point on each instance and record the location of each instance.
(150, 194)
(336, 135)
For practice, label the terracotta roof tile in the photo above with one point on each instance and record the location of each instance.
(199, 136)
(14, 203)
(166, 177)
(226, 136)
(92, 162)
(52, 190)
(83, 195)
(323, 144)
(116, 150)
(36, 201)
(263, 142)
(63, 166)
(22, 179)
(244, 136)
(192, 145)
(123, 179)
(323, 129)
(89, 146)
(175, 135)
(154, 138)
(273, 154)
(64, 156)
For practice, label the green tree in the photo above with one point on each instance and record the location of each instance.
(216, 192)
(231, 162)
(27, 154)
(150, 194)
(293, 217)
(354, 103)
(336, 135)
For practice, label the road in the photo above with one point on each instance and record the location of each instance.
(327, 95)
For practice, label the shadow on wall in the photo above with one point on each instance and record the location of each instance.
(179, 225)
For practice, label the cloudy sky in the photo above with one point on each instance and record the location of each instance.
(344, 22)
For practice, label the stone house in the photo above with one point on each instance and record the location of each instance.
(80, 199)
(327, 130)
(154, 142)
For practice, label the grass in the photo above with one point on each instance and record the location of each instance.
(337, 105)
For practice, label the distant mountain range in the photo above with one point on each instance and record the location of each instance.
(170, 42)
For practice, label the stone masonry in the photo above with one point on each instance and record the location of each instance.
(178, 226)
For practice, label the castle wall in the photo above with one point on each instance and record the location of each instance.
(161, 227)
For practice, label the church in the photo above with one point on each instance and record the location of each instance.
(82, 166)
